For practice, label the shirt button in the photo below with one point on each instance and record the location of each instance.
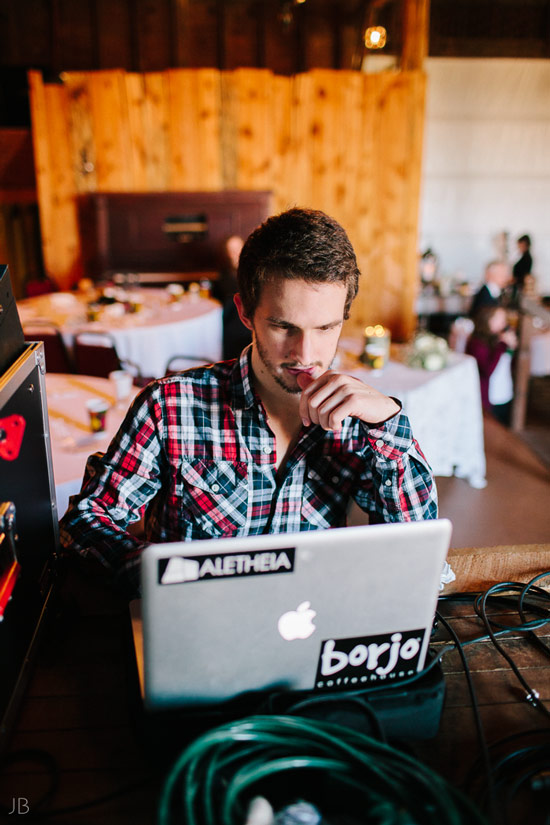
(215, 488)
(266, 449)
(379, 442)
(388, 482)
(335, 479)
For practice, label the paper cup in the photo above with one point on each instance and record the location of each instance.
(122, 382)
(97, 411)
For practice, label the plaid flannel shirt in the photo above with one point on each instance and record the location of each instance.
(196, 457)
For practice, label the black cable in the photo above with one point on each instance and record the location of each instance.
(517, 770)
(480, 605)
(48, 761)
(500, 743)
(40, 757)
(360, 701)
(529, 586)
(477, 718)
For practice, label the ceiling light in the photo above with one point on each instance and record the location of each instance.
(375, 37)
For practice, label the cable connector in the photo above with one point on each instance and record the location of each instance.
(533, 697)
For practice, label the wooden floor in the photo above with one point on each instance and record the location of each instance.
(514, 507)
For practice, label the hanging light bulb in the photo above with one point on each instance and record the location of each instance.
(375, 37)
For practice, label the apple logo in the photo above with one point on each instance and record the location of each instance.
(297, 624)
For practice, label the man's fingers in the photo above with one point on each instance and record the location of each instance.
(318, 402)
(304, 379)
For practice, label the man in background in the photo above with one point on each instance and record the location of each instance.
(498, 277)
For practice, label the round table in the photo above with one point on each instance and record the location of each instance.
(443, 406)
(149, 337)
(71, 438)
(540, 353)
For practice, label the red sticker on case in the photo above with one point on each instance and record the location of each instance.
(11, 436)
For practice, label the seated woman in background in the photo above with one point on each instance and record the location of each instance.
(493, 344)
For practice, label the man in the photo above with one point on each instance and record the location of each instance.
(497, 277)
(273, 442)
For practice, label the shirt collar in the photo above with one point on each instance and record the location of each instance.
(241, 386)
(493, 289)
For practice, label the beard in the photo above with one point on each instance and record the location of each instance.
(290, 384)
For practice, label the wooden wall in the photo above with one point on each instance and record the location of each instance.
(345, 142)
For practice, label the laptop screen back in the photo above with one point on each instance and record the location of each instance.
(325, 610)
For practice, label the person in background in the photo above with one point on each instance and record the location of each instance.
(493, 344)
(497, 278)
(235, 336)
(524, 265)
(272, 442)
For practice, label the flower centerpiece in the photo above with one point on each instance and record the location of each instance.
(428, 352)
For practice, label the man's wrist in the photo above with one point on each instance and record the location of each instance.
(397, 407)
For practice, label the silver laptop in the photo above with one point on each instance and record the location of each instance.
(338, 609)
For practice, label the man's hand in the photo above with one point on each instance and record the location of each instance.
(328, 399)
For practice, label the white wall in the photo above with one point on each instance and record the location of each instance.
(486, 162)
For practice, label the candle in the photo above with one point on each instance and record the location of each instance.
(376, 353)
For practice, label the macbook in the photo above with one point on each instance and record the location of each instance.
(323, 610)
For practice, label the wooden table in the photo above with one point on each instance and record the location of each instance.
(79, 721)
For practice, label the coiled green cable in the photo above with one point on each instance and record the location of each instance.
(213, 780)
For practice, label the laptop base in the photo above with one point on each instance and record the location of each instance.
(398, 713)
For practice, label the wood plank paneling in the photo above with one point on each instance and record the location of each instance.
(241, 34)
(198, 33)
(114, 24)
(81, 132)
(416, 20)
(74, 45)
(346, 143)
(152, 21)
(111, 128)
(156, 132)
(56, 186)
(195, 130)
(254, 128)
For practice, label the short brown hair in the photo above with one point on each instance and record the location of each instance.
(297, 244)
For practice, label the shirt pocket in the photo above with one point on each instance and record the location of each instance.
(213, 496)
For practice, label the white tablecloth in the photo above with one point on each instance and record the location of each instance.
(445, 412)
(148, 338)
(71, 439)
(540, 354)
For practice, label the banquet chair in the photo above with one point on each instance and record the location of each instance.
(55, 351)
(95, 354)
(39, 286)
(178, 363)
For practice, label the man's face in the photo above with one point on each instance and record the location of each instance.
(295, 328)
(499, 274)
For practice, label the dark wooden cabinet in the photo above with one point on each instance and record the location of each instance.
(158, 233)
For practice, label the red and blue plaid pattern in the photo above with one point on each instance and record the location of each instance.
(196, 457)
